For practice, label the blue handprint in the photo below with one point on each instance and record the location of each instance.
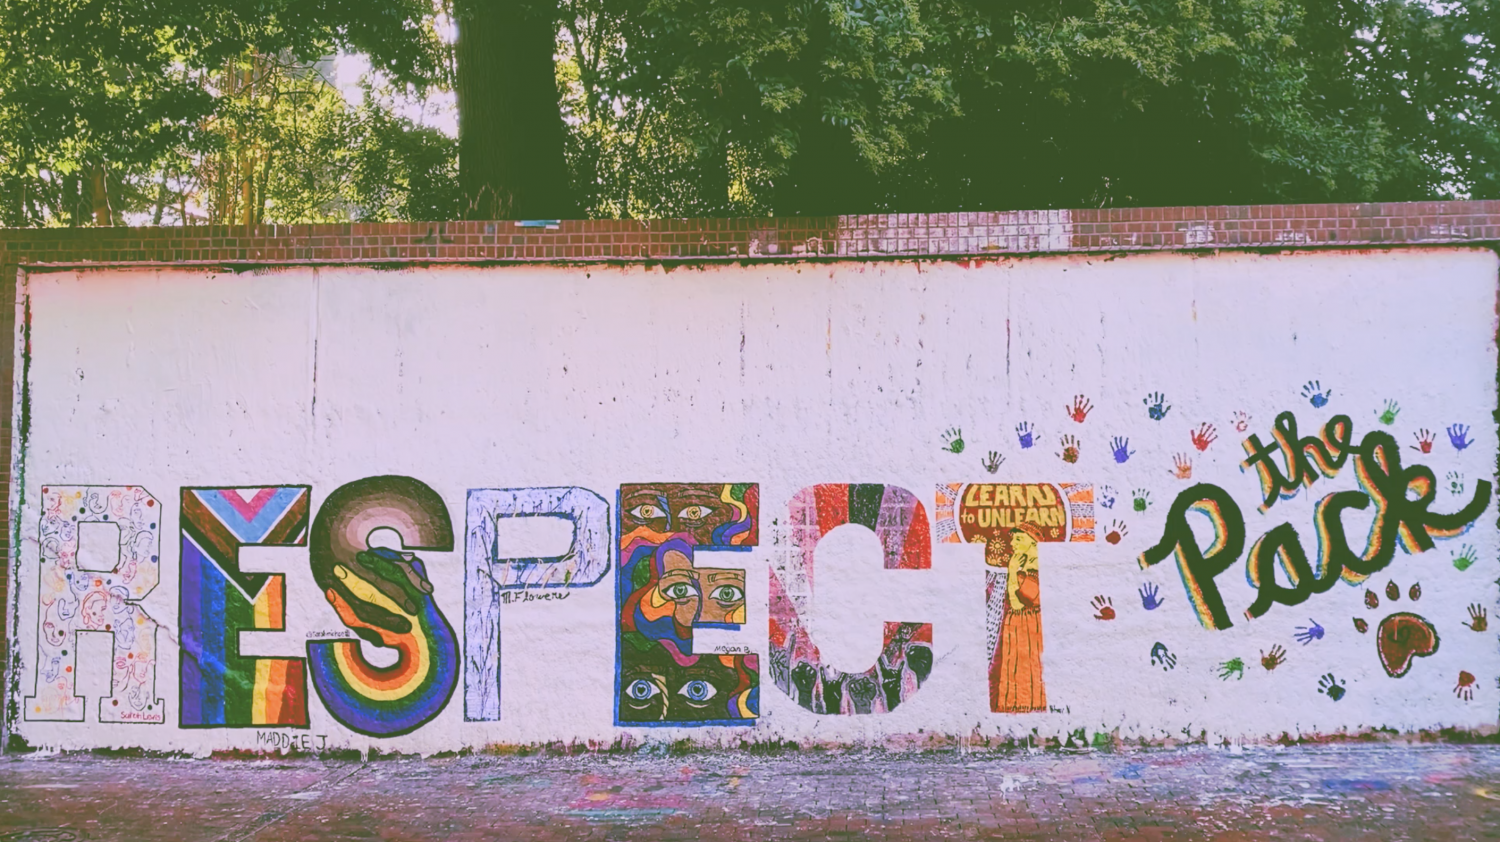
(1156, 406)
(1459, 435)
(1149, 600)
(1316, 394)
(1307, 634)
(1122, 450)
(1024, 433)
(1107, 497)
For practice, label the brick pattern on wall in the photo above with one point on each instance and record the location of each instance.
(909, 235)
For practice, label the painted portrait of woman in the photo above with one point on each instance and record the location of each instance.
(1016, 665)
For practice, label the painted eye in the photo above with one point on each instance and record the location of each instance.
(646, 511)
(698, 691)
(727, 593)
(695, 513)
(678, 590)
(641, 690)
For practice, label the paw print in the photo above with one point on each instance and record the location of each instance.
(1455, 483)
(1104, 608)
(1465, 557)
(1332, 687)
(1080, 409)
(1458, 435)
(1024, 435)
(1107, 497)
(1233, 667)
(953, 440)
(1156, 406)
(993, 461)
(1276, 658)
(1388, 415)
(1401, 637)
(1160, 657)
(1069, 449)
(1424, 441)
(1203, 436)
(1464, 689)
(1241, 421)
(1149, 599)
(1182, 466)
(1117, 530)
(1316, 394)
(1141, 499)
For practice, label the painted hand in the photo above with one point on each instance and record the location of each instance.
(1160, 657)
(379, 594)
(1424, 441)
(1273, 660)
(1121, 448)
(1232, 667)
(1464, 689)
(993, 461)
(1307, 634)
(1465, 557)
(1479, 618)
(1156, 406)
(1149, 599)
(1315, 394)
(1080, 408)
(1455, 483)
(1182, 466)
(1107, 497)
(1241, 421)
(1204, 436)
(1388, 415)
(1331, 687)
(1458, 434)
(1117, 530)
(1105, 608)
(1069, 452)
(1141, 499)
(1024, 435)
(953, 440)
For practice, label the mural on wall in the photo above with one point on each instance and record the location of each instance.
(899, 521)
(1011, 520)
(663, 594)
(218, 600)
(487, 575)
(77, 599)
(1401, 497)
(383, 594)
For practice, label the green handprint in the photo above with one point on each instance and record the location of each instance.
(1392, 409)
(1234, 667)
(1465, 559)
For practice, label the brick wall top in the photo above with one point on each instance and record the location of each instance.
(871, 235)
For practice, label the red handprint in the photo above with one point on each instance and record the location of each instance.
(1105, 606)
(1465, 687)
(1080, 409)
(1204, 436)
(1241, 421)
(1424, 441)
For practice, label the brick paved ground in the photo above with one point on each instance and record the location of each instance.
(1332, 792)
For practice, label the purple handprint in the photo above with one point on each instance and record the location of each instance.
(1458, 434)
(1307, 634)
(1121, 447)
(1149, 600)
(1024, 434)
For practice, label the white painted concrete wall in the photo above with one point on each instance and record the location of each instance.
(786, 376)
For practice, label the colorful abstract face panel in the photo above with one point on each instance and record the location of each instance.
(664, 594)
(1012, 520)
(899, 521)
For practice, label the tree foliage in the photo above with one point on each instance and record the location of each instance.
(711, 107)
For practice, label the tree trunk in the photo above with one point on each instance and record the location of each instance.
(510, 129)
(99, 195)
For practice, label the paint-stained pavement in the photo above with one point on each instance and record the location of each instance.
(1381, 791)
